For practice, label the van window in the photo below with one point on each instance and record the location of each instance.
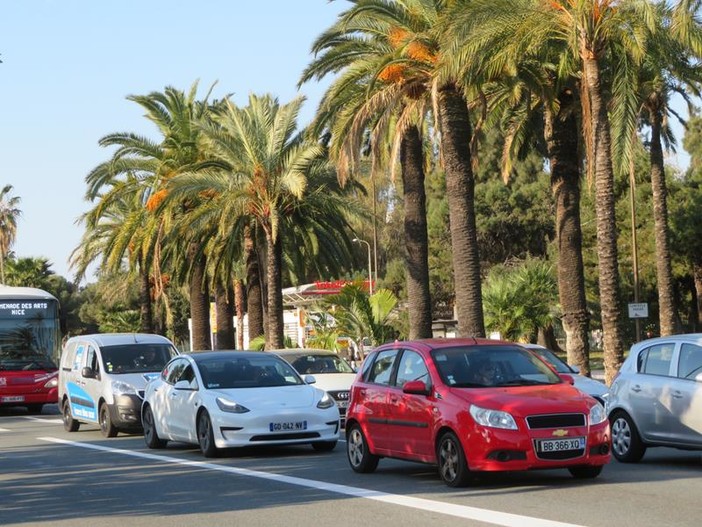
(137, 358)
(69, 352)
(92, 360)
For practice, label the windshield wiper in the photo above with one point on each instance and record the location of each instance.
(522, 382)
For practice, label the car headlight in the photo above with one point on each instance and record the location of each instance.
(51, 383)
(325, 402)
(597, 414)
(492, 418)
(123, 388)
(230, 406)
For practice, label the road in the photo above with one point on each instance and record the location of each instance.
(51, 477)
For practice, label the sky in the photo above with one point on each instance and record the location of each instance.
(68, 66)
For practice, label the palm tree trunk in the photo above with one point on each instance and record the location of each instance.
(146, 314)
(562, 137)
(274, 257)
(254, 298)
(664, 272)
(697, 277)
(224, 335)
(239, 307)
(454, 123)
(199, 301)
(608, 267)
(416, 237)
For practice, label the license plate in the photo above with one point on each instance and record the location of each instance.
(290, 426)
(559, 445)
(12, 399)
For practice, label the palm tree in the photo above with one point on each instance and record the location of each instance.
(176, 115)
(590, 31)
(386, 70)
(360, 316)
(8, 225)
(529, 94)
(669, 68)
(261, 174)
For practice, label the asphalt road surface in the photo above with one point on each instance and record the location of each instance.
(51, 477)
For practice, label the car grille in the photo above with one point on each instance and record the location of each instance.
(536, 422)
(284, 437)
(342, 400)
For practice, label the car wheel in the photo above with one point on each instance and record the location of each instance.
(324, 446)
(106, 427)
(453, 468)
(585, 472)
(35, 408)
(69, 424)
(357, 451)
(205, 436)
(150, 435)
(627, 446)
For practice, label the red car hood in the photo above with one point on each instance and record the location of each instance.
(528, 400)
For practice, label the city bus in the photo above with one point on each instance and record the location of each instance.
(30, 339)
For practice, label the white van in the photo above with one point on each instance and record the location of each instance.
(102, 378)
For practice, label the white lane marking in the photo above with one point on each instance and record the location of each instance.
(4, 430)
(43, 420)
(461, 511)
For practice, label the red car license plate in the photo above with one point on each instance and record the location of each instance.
(559, 445)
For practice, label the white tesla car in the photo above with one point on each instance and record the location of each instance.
(226, 399)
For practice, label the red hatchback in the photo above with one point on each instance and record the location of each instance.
(471, 405)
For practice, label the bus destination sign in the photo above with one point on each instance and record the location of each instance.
(23, 308)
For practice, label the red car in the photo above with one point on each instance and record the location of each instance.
(471, 405)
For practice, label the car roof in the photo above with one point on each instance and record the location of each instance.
(684, 337)
(115, 339)
(222, 354)
(439, 343)
(302, 351)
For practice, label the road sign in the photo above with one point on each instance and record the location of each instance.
(638, 310)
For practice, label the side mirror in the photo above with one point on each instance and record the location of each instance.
(89, 373)
(416, 387)
(310, 379)
(567, 378)
(576, 369)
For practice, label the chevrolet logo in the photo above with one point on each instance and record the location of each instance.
(560, 433)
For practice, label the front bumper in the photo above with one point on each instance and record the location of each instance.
(125, 412)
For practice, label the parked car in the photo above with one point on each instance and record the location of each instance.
(471, 405)
(656, 399)
(594, 388)
(331, 373)
(228, 399)
(102, 378)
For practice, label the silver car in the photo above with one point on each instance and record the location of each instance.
(656, 399)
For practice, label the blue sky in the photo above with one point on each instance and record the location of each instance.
(68, 66)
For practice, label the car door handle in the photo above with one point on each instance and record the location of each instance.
(636, 388)
(677, 395)
(393, 399)
(174, 395)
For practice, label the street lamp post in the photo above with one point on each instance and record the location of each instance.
(370, 269)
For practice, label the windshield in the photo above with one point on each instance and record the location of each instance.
(490, 366)
(246, 372)
(28, 337)
(552, 359)
(312, 363)
(137, 358)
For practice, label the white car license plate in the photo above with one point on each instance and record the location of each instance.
(558, 445)
(289, 426)
(12, 399)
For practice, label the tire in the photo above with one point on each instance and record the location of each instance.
(358, 452)
(627, 446)
(69, 424)
(35, 408)
(205, 436)
(587, 472)
(324, 446)
(150, 434)
(107, 428)
(453, 468)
